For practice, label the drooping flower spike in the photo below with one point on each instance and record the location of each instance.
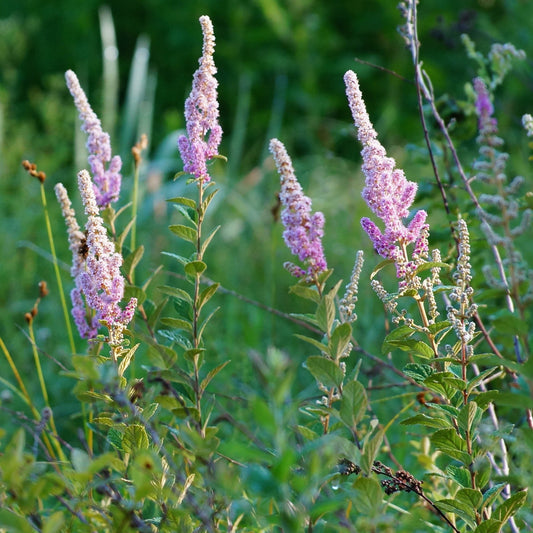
(387, 191)
(106, 181)
(303, 230)
(201, 112)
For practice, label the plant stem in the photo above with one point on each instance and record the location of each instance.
(57, 273)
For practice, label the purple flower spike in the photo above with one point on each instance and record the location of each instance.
(107, 181)
(303, 230)
(201, 112)
(98, 279)
(484, 108)
(387, 191)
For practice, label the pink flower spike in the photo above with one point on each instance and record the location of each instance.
(201, 112)
(387, 191)
(303, 230)
(107, 181)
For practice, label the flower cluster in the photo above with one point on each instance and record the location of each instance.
(106, 181)
(387, 192)
(484, 108)
(303, 230)
(95, 268)
(201, 112)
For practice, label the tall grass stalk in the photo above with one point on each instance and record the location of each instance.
(44, 390)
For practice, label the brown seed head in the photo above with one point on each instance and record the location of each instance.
(43, 289)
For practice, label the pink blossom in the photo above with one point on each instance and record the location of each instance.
(387, 191)
(303, 230)
(201, 112)
(106, 181)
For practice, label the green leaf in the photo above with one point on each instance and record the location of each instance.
(316, 343)
(492, 493)
(206, 295)
(177, 323)
(414, 346)
(122, 237)
(156, 313)
(470, 497)
(131, 291)
(418, 372)
(135, 438)
(512, 399)
(380, 266)
(180, 294)
(207, 200)
(132, 261)
(185, 232)
(431, 264)
(211, 374)
(126, 359)
(370, 451)
(188, 202)
(195, 268)
(489, 526)
(339, 340)
(459, 508)
(448, 442)
(207, 240)
(188, 213)
(459, 474)
(510, 507)
(305, 292)
(325, 313)
(369, 500)
(474, 382)
(324, 370)
(54, 523)
(205, 322)
(179, 258)
(428, 421)
(469, 417)
(508, 323)
(80, 460)
(353, 403)
(14, 523)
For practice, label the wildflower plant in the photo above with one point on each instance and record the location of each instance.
(175, 435)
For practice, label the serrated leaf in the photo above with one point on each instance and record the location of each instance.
(458, 508)
(426, 420)
(470, 497)
(492, 493)
(211, 374)
(469, 417)
(451, 444)
(510, 506)
(369, 500)
(189, 214)
(474, 382)
(194, 268)
(188, 202)
(305, 292)
(185, 232)
(418, 372)
(339, 340)
(353, 404)
(459, 474)
(439, 326)
(176, 323)
(483, 399)
(135, 438)
(324, 370)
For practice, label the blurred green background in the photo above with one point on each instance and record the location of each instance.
(280, 67)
